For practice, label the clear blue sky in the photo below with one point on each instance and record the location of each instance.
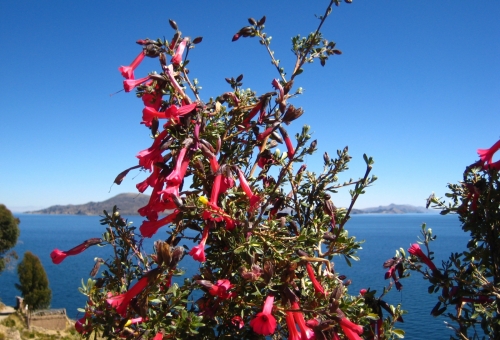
(417, 87)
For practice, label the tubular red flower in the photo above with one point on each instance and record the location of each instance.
(317, 286)
(486, 155)
(158, 336)
(177, 58)
(214, 196)
(351, 330)
(293, 334)
(177, 175)
(264, 322)
(149, 228)
(251, 114)
(198, 252)
(415, 250)
(128, 71)
(121, 301)
(254, 199)
(305, 332)
(58, 256)
(130, 84)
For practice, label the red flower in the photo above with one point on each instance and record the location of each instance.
(130, 84)
(415, 250)
(128, 71)
(58, 256)
(173, 112)
(351, 330)
(293, 334)
(317, 286)
(276, 84)
(237, 321)
(265, 323)
(220, 289)
(152, 99)
(305, 332)
(177, 58)
(149, 228)
(169, 70)
(486, 155)
(158, 336)
(198, 252)
(254, 199)
(121, 301)
(82, 324)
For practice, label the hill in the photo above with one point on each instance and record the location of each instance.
(393, 209)
(127, 203)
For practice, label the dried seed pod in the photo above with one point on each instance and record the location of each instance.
(197, 40)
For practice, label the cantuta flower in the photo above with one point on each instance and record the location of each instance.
(415, 250)
(486, 155)
(149, 228)
(264, 322)
(198, 252)
(254, 199)
(293, 334)
(130, 84)
(221, 289)
(169, 70)
(128, 71)
(177, 58)
(351, 330)
(58, 256)
(158, 336)
(121, 301)
(305, 332)
(317, 286)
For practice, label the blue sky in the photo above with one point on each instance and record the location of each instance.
(417, 88)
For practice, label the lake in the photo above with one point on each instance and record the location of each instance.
(383, 234)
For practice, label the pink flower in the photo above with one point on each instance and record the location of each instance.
(121, 301)
(177, 58)
(317, 286)
(173, 112)
(415, 250)
(149, 228)
(158, 336)
(198, 252)
(58, 256)
(130, 84)
(486, 155)
(264, 322)
(128, 71)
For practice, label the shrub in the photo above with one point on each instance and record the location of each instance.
(33, 282)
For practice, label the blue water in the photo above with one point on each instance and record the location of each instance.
(383, 234)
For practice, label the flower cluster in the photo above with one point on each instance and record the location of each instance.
(263, 233)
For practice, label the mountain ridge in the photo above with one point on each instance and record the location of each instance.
(129, 203)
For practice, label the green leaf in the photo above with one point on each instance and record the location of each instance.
(399, 333)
